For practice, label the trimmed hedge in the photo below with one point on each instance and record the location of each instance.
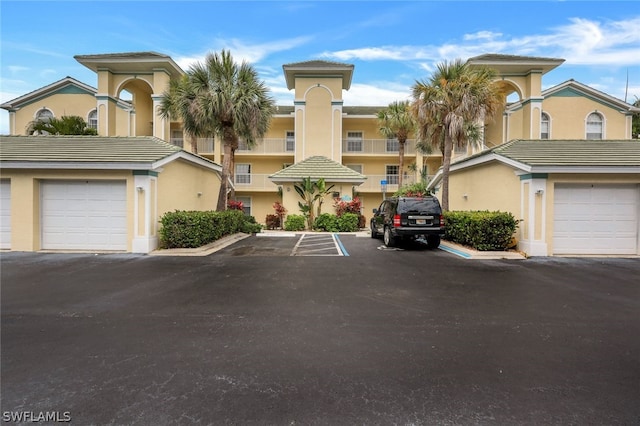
(346, 222)
(191, 229)
(295, 222)
(482, 230)
(326, 222)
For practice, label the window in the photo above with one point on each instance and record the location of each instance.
(92, 119)
(290, 141)
(393, 145)
(545, 126)
(177, 138)
(354, 141)
(246, 204)
(44, 114)
(355, 167)
(392, 174)
(243, 173)
(242, 145)
(594, 126)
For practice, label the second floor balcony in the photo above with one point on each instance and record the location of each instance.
(286, 146)
(261, 183)
(376, 147)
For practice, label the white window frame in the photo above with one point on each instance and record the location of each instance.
(177, 138)
(355, 140)
(246, 204)
(37, 115)
(548, 123)
(392, 179)
(589, 124)
(92, 122)
(290, 141)
(392, 142)
(242, 177)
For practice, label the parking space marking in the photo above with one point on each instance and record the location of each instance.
(318, 245)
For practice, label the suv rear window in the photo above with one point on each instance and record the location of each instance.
(419, 205)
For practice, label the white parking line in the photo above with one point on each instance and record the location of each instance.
(317, 245)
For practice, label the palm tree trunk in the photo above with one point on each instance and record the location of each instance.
(446, 165)
(232, 174)
(224, 184)
(401, 160)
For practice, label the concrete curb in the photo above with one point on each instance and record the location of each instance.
(469, 253)
(204, 250)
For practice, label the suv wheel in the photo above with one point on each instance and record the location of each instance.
(389, 239)
(433, 241)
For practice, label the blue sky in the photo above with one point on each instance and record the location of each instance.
(391, 43)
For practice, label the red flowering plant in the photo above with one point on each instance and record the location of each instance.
(353, 206)
(234, 205)
(275, 221)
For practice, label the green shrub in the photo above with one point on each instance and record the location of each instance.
(250, 225)
(326, 222)
(482, 230)
(294, 222)
(349, 222)
(191, 229)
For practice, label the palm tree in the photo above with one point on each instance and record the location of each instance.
(221, 98)
(445, 105)
(65, 125)
(396, 121)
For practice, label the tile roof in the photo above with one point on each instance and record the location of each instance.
(572, 152)
(84, 149)
(318, 167)
(349, 110)
(504, 57)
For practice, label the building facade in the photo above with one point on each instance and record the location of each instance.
(130, 86)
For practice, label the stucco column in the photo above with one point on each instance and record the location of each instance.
(145, 226)
(533, 232)
(160, 125)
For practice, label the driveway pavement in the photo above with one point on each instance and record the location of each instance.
(255, 335)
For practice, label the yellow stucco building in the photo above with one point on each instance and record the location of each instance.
(346, 142)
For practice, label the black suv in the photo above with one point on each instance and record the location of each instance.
(407, 218)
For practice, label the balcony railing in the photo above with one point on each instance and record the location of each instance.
(205, 145)
(254, 182)
(376, 146)
(269, 146)
(261, 182)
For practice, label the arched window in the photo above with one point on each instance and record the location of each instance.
(92, 119)
(44, 114)
(595, 127)
(545, 126)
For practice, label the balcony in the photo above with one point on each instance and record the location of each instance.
(205, 145)
(269, 146)
(376, 147)
(254, 182)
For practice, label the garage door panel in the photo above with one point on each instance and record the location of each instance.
(5, 214)
(81, 215)
(596, 219)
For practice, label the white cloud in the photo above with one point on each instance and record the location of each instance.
(378, 94)
(482, 35)
(245, 51)
(581, 41)
(16, 69)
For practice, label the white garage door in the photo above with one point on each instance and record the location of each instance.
(595, 219)
(84, 215)
(5, 214)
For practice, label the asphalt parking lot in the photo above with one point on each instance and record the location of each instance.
(259, 334)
